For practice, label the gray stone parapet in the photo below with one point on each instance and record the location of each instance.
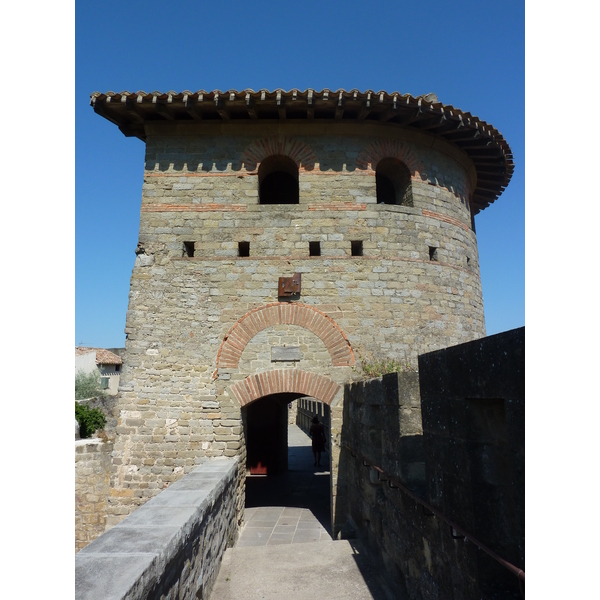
(171, 546)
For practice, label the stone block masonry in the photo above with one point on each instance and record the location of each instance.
(92, 476)
(171, 547)
(387, 281)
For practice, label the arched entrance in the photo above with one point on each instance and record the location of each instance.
(282, 482)
(264, 398)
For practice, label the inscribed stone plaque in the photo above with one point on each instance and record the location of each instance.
(282, 353)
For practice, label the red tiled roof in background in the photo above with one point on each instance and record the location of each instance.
(103, 357)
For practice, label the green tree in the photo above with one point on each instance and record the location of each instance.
(87, 385)
(90, 419)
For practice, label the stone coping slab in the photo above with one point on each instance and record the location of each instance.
(127, 560)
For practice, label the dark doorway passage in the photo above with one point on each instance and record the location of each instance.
(266, 435)
(292, 506)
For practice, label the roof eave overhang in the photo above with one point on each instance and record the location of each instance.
(482, 143)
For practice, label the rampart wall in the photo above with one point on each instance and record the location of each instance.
(472, 451)
(171, 547)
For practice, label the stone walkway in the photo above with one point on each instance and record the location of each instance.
(291, 508)
(285, 549)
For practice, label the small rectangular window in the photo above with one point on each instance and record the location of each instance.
(188, 249)
(314, 248)
(357, 248)
(433, 253)
(243, 248)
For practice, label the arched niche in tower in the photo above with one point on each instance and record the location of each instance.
(393, 182)
(278, 181)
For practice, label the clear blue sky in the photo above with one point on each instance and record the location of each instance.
(471, 54)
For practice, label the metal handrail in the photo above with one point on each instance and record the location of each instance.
(396, 484)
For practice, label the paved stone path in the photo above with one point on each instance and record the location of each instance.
(285, 549)
(290, 508)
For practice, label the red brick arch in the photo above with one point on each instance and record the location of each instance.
(281, 381)
(285, 313)
(376, 151)
(262, 148)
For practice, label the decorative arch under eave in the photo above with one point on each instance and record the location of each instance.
(376, 151)
(281, 145)
(280, 381)
(285, 313)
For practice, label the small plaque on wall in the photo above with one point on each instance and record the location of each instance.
(285, 353)
(290, 286)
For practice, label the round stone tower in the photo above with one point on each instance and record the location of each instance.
(284, 238)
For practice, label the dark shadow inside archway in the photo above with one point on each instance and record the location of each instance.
(280, 470)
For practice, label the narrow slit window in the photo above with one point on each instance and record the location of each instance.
(357, 248)
(433, 253)
(243, 248)
(188, 249)
(314, 248)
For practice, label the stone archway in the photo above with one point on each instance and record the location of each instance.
(285, 313)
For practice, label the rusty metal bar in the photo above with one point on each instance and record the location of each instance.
(397, 485)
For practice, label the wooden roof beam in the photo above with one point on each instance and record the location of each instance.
(250, 106)
(310, 111)
(220, 106)
(191, 108)
(366, 108)
(391, 111)
(339, 108)
(280, 101)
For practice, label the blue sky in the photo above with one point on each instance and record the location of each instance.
(474, 60)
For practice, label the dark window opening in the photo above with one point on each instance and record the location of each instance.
(393, 182)
(188, 249)
(117, 368)
(357, 248)
(278, 181)
(468, 261)
(243, 248)
(386, 192)
(314, 248)
(433, 253)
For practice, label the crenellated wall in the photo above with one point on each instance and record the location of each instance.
(453, 436)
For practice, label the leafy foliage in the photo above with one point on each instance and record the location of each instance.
(87, 385)
(89, 419)
(379, 367)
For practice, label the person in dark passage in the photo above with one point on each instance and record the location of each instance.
(317, 433)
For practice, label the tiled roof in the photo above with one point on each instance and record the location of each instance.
(485, 145)
(103, 357)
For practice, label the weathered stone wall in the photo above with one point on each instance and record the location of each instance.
(92, 485)
(473, 403)
(472, 445)
(172, 547)
(186, 314)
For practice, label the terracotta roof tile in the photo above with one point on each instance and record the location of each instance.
(103, 357)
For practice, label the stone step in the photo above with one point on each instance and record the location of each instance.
(336, 570)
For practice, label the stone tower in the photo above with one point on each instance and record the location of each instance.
(284, 237)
